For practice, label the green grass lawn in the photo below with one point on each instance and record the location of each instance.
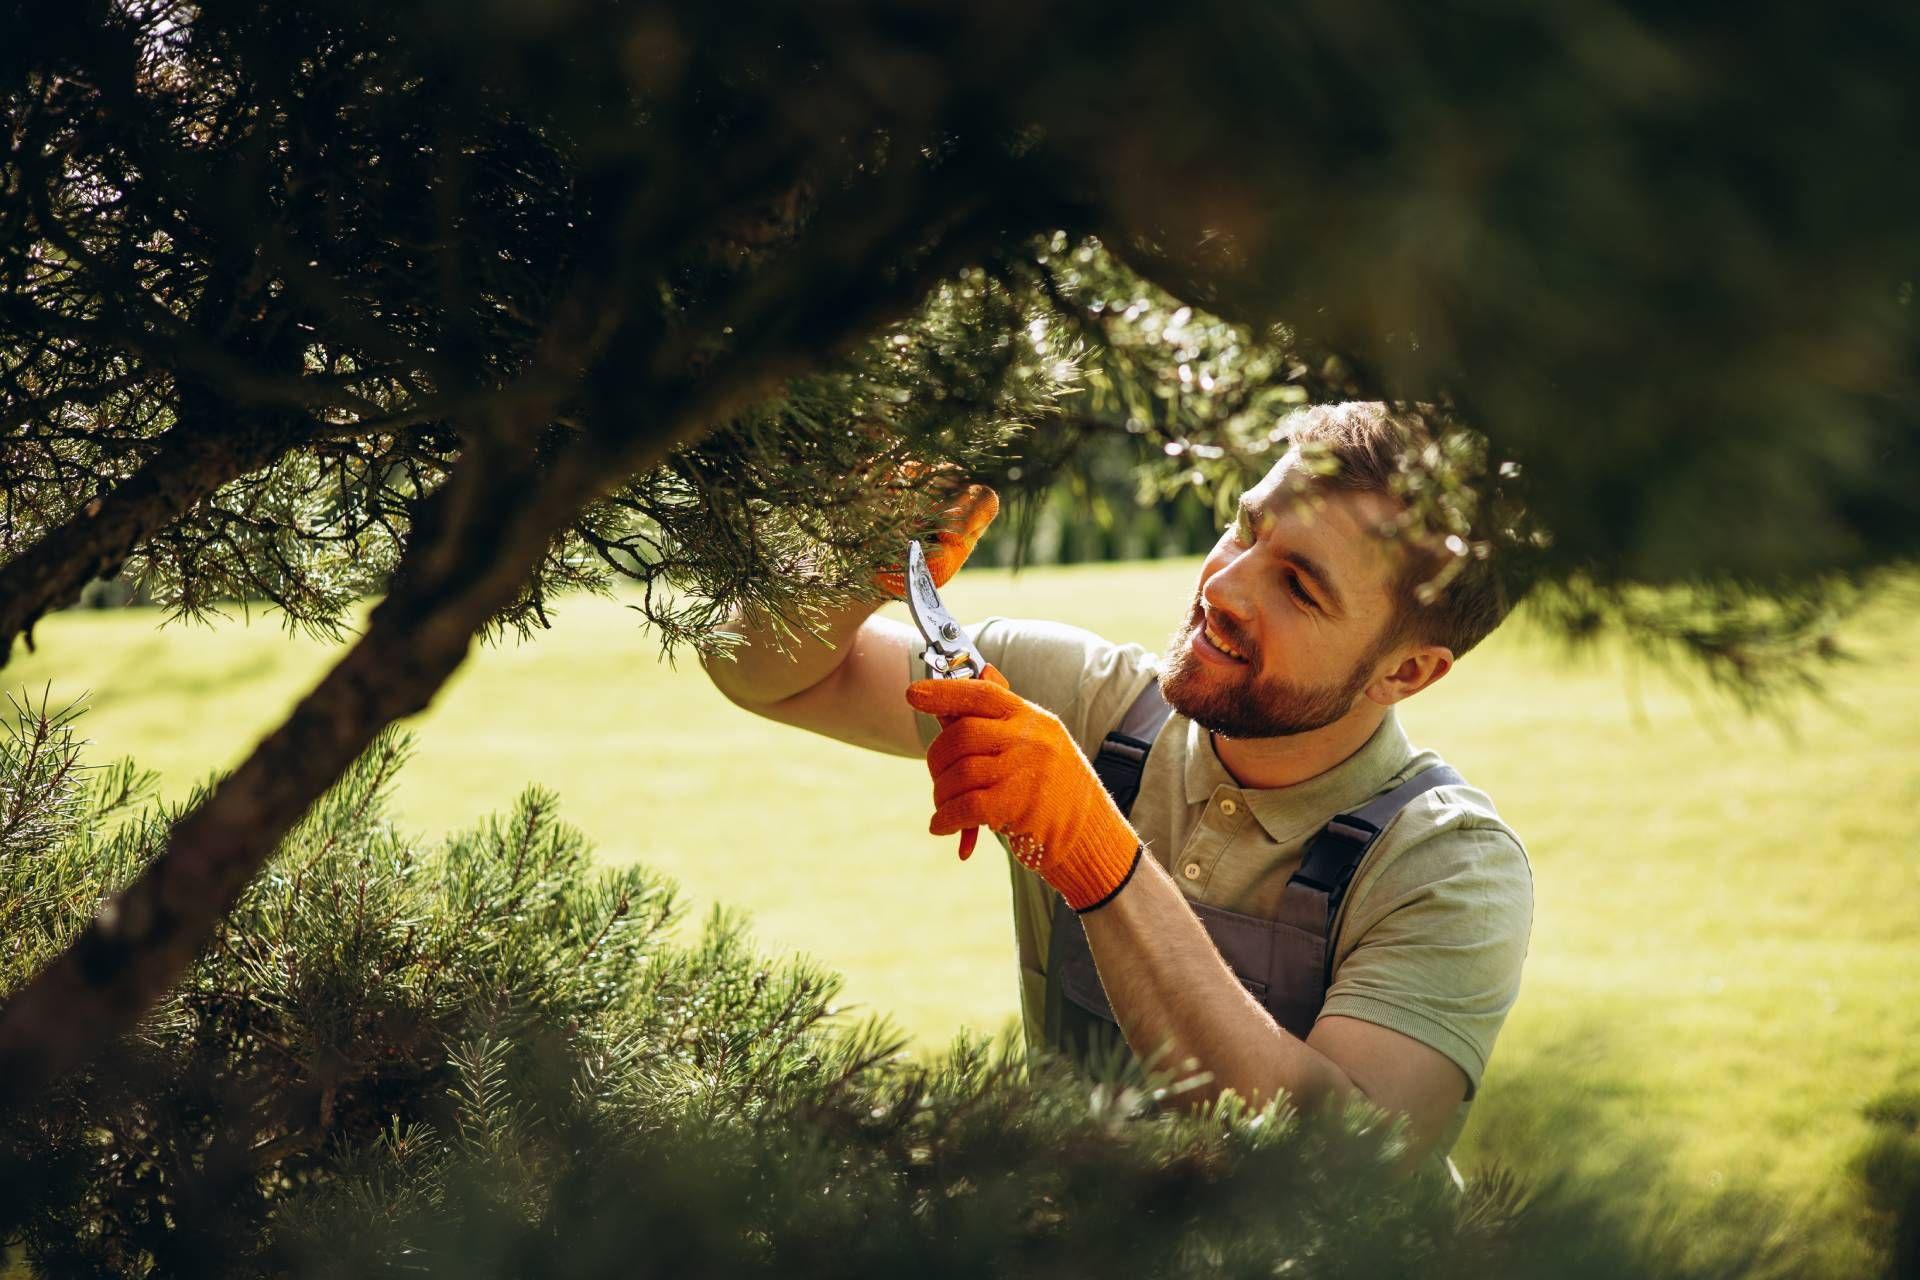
(1723, 967)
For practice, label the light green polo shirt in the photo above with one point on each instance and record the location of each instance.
(1431, 935)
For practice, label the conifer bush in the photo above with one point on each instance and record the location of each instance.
(488, 1056)
(1887, 1171)
(467, 307)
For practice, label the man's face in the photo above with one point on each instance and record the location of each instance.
(1283, 633)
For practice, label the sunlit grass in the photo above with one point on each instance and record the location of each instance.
(1723, 968)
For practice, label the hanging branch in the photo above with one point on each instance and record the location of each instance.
(190, 464)
(476, 541)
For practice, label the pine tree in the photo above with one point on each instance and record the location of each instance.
(299, 301)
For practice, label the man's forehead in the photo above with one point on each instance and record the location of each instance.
(1292, 490)
(1343, 527)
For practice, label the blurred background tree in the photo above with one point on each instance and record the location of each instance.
(472, 306)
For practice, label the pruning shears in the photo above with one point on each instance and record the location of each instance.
(950, 654)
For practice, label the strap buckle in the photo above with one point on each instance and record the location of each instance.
(1349, 827)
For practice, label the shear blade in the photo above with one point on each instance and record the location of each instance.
(923, 602)
(948, 652)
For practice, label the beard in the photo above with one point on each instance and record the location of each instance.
(1234, 704)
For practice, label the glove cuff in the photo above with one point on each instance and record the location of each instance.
(1091, 882)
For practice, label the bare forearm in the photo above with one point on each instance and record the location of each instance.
(1169, 987)
(758, 671)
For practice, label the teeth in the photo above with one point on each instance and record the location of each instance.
(1213, 637)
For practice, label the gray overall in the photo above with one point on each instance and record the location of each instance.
(1286, 963)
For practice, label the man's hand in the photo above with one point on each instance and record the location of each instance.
(1004, 763)
(962, 523)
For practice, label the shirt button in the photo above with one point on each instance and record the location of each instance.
(1191, 871)
(1229, 808)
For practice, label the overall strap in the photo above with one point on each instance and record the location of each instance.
(1314, 892)
(1074, 1013)
(1122, 758)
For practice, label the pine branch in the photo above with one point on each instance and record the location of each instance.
(39, 775)
(191, 463)
(477, 539)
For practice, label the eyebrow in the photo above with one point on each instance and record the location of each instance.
(1313, 569)
(1306, 564)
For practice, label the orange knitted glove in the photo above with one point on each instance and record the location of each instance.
(1004, 763)
(963, 522)
(970, 836)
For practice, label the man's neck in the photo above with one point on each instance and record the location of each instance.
(1264, 764)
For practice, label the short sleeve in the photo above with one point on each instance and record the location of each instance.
(1433, 945)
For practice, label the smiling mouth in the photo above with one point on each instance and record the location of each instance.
(1215, 639)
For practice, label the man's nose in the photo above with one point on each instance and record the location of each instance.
(1229, 588)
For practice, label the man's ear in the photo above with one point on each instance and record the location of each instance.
(1417, 669)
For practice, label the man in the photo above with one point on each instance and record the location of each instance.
(1308, 625)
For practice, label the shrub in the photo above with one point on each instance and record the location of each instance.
(489, 1057)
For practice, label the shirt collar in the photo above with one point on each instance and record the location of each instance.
(1288, 813)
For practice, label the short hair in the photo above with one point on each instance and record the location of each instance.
(1450, 589)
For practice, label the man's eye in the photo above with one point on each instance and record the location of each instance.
(1293, 585)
